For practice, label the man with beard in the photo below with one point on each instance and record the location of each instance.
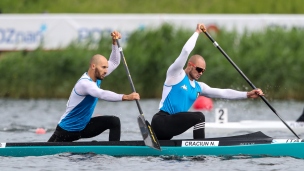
(77, 121)
(181, 89)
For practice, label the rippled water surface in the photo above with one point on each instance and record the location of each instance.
(20, 118)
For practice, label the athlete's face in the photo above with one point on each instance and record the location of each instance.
(197, 69)
(101, 69)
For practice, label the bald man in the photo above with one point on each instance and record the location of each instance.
(181, 89)
(77, 121)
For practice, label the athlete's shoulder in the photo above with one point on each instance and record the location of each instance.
(84, 81)
(85, 76)
(175, 79)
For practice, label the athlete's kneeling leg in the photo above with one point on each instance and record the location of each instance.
(61, 135)
(160, 124)
(115, 127)
(99, 124)
(166, 126)
(199, 127)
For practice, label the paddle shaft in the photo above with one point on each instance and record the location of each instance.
(146, 130)
(248, 81)
(129, 75)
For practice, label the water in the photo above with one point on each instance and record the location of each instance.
(20, 118)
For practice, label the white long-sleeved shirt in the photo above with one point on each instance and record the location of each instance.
(84, 96)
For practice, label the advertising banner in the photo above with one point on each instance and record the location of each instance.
(55, 31)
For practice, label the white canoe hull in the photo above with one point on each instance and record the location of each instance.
(222, 125)
(252, 126)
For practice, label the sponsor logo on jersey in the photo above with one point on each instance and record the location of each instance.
(184, 87)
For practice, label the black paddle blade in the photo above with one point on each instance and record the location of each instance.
(301, 118)
(147, 133)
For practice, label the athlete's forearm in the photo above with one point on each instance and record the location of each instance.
(114, 59)
(226, 94)
(129, 97)
(86, 87)
(110, 96)
(104, 94)
(221, 93)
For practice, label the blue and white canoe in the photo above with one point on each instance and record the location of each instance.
(255, 144)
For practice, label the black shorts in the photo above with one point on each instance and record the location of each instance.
(96, 126)
(166, 126)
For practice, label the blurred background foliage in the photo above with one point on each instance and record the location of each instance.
(272, 59)
(276, 66)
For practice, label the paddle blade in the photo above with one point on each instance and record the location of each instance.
(147, 133)
(301, 118)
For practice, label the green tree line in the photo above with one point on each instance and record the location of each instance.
(155, 6)
(272, 59)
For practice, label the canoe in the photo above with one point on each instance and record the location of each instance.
(254, 144)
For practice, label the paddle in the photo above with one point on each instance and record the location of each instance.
(243, 75)
(301, 118)
(146, 130)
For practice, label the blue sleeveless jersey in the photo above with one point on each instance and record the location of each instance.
(180, 96)
(79, 110)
